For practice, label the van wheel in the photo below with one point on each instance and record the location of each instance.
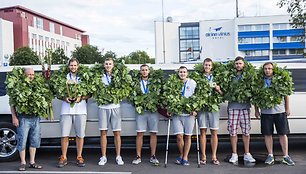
(8, 142)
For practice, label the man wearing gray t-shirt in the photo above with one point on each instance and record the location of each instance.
(277, 116)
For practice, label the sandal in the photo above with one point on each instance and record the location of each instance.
(215, 162)
(35, 166)
(203, 162)
(178, 161)
(22, 167)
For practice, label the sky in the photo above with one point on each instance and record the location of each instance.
(124, 26)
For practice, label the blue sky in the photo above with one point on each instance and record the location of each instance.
(124, 26)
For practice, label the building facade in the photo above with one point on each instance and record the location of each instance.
(41, 32)
(260, 38)
(6, 41)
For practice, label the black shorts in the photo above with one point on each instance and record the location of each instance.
(279, 120)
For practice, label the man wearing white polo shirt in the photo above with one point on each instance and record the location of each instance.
(76, 116)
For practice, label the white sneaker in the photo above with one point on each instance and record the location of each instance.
(137, 160)
(119, 160)
(234, 158)
(103, 161)
(249, 158)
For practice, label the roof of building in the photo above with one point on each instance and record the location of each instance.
(40, 15)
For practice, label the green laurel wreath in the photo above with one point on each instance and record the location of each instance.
(268, 97)
(212, 103)
(118, 89)
(29, 97)
(59, 78)
(148, 101)
(174, 101)
(238, 90)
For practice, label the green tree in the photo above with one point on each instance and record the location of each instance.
(87, 54)
(296, 9)
(24, 56)
(57, 56)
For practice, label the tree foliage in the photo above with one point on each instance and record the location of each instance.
(24, 56)
(137, 57)
(296, 9)
(56, 57)
(88, 54)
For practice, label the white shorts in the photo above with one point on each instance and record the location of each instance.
(209, 120)
(79, 122)
(183, 124)
(109, 117)
(147, 120)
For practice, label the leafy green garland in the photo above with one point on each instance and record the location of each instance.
(29, 97)
(176, 103)
(268, 97)
(58, 82)
(118, 89)
(238, 90)
(214, 100)
(148, 101)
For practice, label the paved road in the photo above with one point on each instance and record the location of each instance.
(48, 158)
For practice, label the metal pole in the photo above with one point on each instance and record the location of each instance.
(164, 50)
(237, 11)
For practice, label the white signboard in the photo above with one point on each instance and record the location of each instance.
(217, 39)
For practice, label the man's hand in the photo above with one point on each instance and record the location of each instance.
(288, 112)
(15, 121)
(67, 99)
(257, 114)
(78, 99)
(193, 113)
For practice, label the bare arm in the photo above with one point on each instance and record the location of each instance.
(257, 113)
(15, 120)
(287, 109)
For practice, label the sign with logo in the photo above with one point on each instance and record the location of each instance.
(217, 39)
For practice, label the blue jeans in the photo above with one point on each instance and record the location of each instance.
(28, 127)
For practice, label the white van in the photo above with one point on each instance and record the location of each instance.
(51, 128)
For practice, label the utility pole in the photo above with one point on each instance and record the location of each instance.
(237, 9)
(164, 47)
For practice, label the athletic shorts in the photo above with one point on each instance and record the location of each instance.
(279, 120)
(147, 120)
(77, 120)
(183, 124)
(209, 120)
(110, 117)
(239, 117)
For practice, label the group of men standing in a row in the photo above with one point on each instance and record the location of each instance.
(183, 124)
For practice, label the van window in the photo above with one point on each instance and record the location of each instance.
(2, 85)
(299, 79)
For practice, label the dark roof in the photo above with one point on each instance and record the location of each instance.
(40, 15)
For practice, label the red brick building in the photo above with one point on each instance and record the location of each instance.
(41, 32)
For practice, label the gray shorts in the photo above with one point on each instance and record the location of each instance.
(183, 124)
(110, 117)
(79, 122)
(147, 119)
(209, 120)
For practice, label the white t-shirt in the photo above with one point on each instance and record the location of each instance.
(189, 86)
(143, 86)
(78, 108)
(107, 80)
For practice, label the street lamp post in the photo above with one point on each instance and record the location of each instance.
(164, 50)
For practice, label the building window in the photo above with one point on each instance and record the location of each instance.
(279, 52)
(244, 27)
(296, 51)
(34, 36)
(34, 22)
(41, 37)
(40, 23)
(51, 25)
(295, 39)
(280, 39)
(261, 40)
(257, 53)
(189, 43)
(61, 30)
(281, 26)
(262, 27)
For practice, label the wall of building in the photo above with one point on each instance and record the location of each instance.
(6, 42)
(169, 44)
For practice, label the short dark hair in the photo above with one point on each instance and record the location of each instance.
(239, 58)
(143, 65)
(207, 60)
(108, 59)
(183, 67)
(267, 63)
(73, 60)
